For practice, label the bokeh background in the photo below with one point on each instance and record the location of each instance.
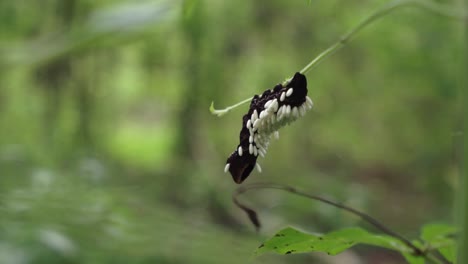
(108, 153)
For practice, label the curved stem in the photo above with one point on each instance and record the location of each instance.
(431, 6)
(425, 4)
(224, 111)
(253, 216)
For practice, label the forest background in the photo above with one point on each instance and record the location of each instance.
(108, 153)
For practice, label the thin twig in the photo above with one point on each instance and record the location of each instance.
(434, 7)
(254, 218)
(221, 112)
(439, 9)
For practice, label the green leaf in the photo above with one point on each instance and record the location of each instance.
(438, 236)
(290, 240)
(435, 232)
(412, 259)
(450, 253)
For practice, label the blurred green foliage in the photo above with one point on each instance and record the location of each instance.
(108, 153)
(435, 237)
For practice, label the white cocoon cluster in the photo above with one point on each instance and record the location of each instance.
(272, 110)
(262, 125)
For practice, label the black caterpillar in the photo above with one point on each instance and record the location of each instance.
(268, 112)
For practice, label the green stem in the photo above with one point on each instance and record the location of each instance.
(433, 259)
(431, 6)
(462, 212)
(224, 111)
(416, 250)
(428, 5)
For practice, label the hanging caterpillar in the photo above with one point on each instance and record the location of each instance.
(268, 112)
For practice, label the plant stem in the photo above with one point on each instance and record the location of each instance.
(224, 111)
(435, 260)
(431, 6)
(253, 217)
(462, 206)
(428, 5)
